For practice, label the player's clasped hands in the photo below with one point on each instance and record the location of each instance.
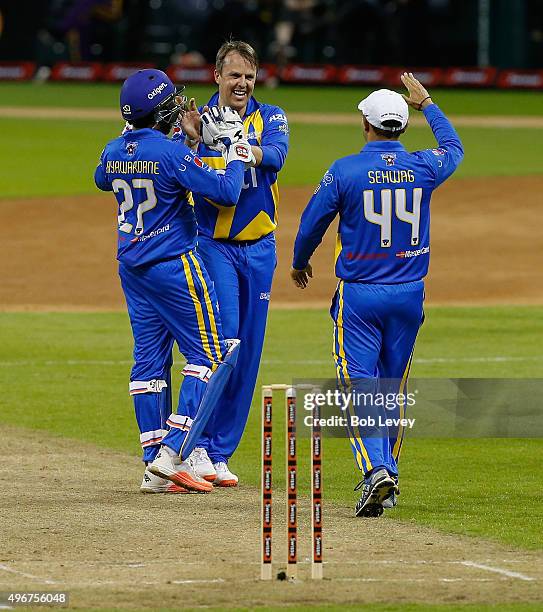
(221, 127)
(222, 130)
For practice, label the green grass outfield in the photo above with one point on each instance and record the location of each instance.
(48, 157)
(67, 374)
(51, 157)
(291, 98)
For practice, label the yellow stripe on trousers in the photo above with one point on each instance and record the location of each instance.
(398, 445)
(341, 367)
(356, 441)
(198, 308)
(209, 307)
(345, 388)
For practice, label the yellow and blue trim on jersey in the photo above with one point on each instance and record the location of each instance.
(255, 214)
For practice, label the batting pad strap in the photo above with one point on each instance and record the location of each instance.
(179, 421)
(148, 438)
(201, 372)
(146, 386)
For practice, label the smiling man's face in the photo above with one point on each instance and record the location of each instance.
(236, 82)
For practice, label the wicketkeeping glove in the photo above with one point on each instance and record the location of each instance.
(222, 130)
(221, 126)
(240, 151)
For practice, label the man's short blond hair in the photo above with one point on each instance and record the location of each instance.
(243, 48)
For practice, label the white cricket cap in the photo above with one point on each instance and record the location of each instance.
(385, 105)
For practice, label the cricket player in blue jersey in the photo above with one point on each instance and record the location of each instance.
(237, 245)
(382, 196)
(168, 292)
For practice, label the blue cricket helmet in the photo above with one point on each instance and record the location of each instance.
(144, 92)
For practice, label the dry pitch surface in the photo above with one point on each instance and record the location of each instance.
(61, 251)
(73, 519)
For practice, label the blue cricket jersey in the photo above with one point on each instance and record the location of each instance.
(152, 178)
(255, 214)
(382, 195)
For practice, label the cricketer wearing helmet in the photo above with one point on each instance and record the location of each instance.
(168, 292)
(382, 196)
(237, 245)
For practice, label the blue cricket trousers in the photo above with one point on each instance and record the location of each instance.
(170, 301)
(375, 328)
(243, 274)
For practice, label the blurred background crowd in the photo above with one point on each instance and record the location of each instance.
(412, 32)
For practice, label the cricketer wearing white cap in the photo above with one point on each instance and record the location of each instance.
(386, 110)
(382, 196)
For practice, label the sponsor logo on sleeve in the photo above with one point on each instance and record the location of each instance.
(199, 162)
(439, 151)
(284, 128)
(328, 178)
(277, 117)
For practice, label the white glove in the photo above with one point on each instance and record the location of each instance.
(221, 127)
(240, 151)
(222, 130)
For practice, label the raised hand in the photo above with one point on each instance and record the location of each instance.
(190, 121)
(418, 97)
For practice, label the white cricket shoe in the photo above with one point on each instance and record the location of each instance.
(156, 484)
(202, 464)
(225, 478)
(167, 464)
